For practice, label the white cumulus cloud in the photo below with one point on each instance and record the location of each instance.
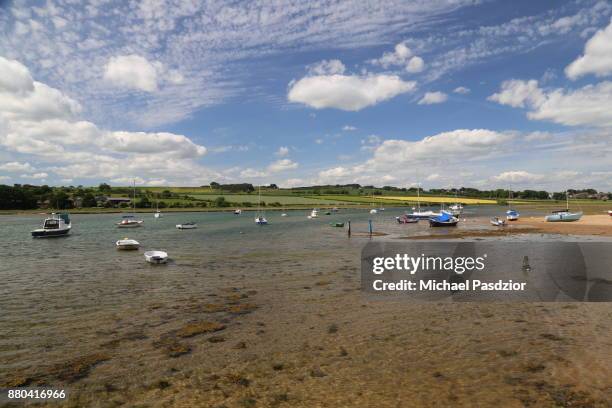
(597, 58)
(347, 92)
(519, 176)
(590, 105)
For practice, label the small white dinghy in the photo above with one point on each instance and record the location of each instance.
(156, 257)
(187, 225)
(127, 244)
(498, 222)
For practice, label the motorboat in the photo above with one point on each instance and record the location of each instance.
(157, 214)
(405, 219)
(237, 211)
(498, 222)
(327, 212)
(314, 214)
(127, 244)
(187, 225)
(261, 220)
(337, 224)
(58, 225)
(129, 221)
(610, 213)
(445, 219)
(373, 211)
(512, 215)
(283, 214)
(156, 257)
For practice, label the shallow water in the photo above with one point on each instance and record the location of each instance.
(65, 298)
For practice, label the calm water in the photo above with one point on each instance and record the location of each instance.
(54, 288)
(64, 298)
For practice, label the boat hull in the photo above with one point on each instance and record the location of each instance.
(183, 227)
(434, 223)
(128, 247)
(42, 233)
(563, 217)
(156, 257)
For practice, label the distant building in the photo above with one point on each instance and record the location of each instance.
(112, 201)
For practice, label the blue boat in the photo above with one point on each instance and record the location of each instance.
(445, 219)
(512, 215)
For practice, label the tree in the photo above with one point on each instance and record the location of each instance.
(89, 200)
(104, 188)
(144, 202)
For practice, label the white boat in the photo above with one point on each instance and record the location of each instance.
(187, 225)
(455, 208)
(127, 244)
(156, 257)
(58, 225)
(260, 218)
(422, 215)
(237, 211)
(283, 214)
(314, 214)
(610, 213)
(498, 222)
(564, 215)
(158, 213)
(129, 221)
(373, 211)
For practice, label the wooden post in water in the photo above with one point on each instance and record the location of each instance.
(349, 228)
(370, 227)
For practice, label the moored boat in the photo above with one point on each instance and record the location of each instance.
(127, 244)
(156, 257)
(498, 222)
(58, 225)
(314, 213)
(337, 224)
(564, 215)
(237, 211)
(512, 215)
(445, 219)
(128, 221)
(405, 219)
(187, 225)
(260, 218)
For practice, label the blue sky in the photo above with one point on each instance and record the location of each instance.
(441, 93)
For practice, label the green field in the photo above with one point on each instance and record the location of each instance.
(267, 198)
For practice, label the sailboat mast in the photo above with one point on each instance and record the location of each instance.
(134, 197)
(566, 200)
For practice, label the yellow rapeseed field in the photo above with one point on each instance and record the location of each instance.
(449, 200)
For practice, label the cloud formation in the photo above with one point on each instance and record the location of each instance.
(347, 92)
(590, 105)
(42, 123)
(597, 58)
(433, 97)
(132, 72)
